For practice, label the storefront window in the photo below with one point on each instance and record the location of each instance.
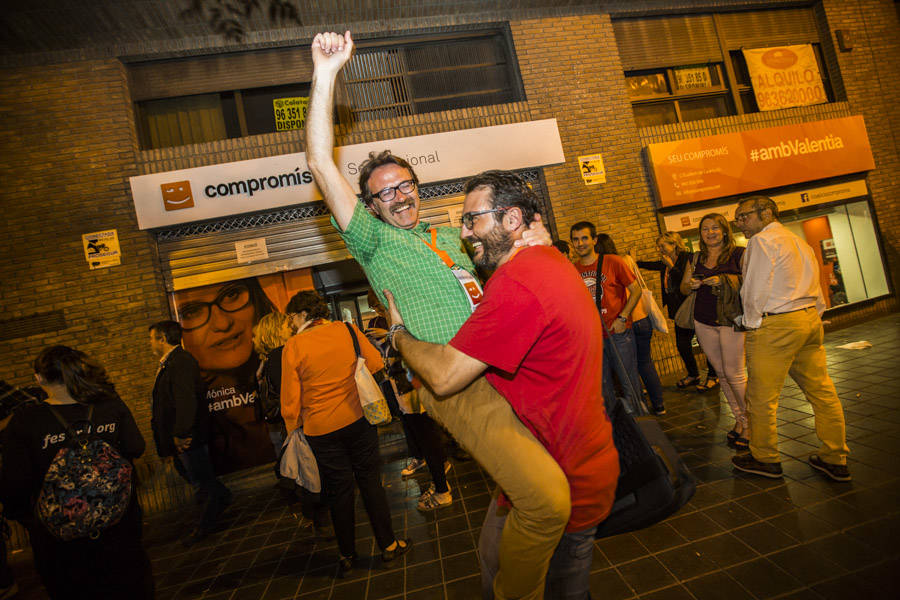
(844, 240)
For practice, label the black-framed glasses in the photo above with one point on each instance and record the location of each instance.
(390, 192)
(739, 217)
(468, 219)
(232, 298)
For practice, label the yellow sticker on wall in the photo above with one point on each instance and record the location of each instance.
(592, 170)
(101, 249)
(290, 113)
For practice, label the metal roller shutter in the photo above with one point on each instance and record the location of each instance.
(203, 253)
(764, 28)
(656, 42)
(220, 72)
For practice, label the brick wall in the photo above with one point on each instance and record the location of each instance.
(66, 151)
(870, 73)
(582, 86)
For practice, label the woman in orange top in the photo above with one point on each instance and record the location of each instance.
(318, 393)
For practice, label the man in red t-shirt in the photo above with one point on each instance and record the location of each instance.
(538, 336)
(621, 293)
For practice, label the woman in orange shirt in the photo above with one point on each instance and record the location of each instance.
(318, 393)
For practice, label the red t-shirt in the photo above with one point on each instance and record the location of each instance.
(537, 328)
(615, 278)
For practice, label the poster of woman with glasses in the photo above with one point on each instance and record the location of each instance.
(217, 322)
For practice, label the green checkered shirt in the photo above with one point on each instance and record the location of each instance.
(430, 298)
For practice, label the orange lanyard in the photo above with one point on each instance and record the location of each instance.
(441, 253)
(468, 282)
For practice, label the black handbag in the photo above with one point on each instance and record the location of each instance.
(653, 480)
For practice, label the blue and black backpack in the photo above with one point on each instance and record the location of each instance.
(87, 487)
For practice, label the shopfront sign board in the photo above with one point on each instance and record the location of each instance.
(790, 201)
(214, 191)
(785, 76)
(705, 168)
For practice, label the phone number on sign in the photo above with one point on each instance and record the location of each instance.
(778, 98)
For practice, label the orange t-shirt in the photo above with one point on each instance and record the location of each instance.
(318, 390)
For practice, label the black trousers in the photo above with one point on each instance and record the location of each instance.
(683, 338)
(347, 456)
(112, 567)
(428, 439)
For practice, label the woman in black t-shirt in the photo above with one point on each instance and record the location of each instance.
(115, 564)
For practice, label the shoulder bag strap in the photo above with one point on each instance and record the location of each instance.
(353, 337)
(65, 423)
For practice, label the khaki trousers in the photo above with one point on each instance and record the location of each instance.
(483, 422)
(791, 344)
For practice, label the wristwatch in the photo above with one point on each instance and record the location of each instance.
(622, 318)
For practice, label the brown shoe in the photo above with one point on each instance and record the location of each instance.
(835, 472)
(748, 464)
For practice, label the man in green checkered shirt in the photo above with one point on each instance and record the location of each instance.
(432, 279)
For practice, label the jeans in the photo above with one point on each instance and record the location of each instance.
(568, 577)
(625, 370)
(643, 334)
(199, 469)
(348, 458)
(486, 426)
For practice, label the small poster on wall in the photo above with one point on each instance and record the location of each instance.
(592, 170)
(290, 113)
(250, 250)
(101, 249)
(829, 252)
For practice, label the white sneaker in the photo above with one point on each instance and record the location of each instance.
(412, 466)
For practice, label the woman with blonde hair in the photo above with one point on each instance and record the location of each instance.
(269, 337)
(674, 258)
(718, 266)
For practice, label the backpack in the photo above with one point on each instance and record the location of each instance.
(87, 487)
(268, 401)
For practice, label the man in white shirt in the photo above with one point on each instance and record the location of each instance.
(782, 302)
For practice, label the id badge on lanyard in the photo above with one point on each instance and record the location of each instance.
(468, 281)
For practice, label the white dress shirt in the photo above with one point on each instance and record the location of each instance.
(781, 275)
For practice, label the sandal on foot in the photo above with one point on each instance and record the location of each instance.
(732, 435)
(398, 551)
(687, 382)
(710, 384)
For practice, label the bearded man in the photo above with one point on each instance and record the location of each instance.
(537, 336)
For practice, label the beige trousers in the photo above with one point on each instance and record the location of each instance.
(791, 344)
(483, 422)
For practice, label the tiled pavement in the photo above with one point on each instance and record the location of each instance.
(740, 537)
